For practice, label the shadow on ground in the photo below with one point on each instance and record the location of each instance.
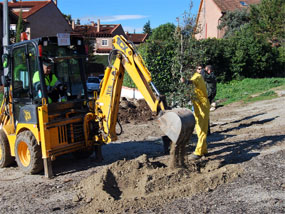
(227, 152)
(111, 153)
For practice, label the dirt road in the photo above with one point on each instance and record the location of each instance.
(244, 173)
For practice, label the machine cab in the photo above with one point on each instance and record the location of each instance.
(27, 62)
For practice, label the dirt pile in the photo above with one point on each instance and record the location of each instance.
(134, 111)
(142, 183)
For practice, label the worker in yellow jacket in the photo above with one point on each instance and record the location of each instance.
(54, 86)
(201, 112)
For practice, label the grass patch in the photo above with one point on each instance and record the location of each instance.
(244, 89)
(263, 96)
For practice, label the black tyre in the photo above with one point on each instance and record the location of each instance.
(28, 153)
(5, 156)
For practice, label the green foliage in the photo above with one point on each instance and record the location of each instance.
(267, 20)
(209, 52)
(128, 82)
(185, 60)
(268, 95)
(249, 55)
(20, 27)
(147, 29)
(158, 58)
(172, 52)
(233, 21)
(68, 17)
(101, 59)
(281, 59)
(164, 32)
(158, 53)
(243, 55)
(244, 89)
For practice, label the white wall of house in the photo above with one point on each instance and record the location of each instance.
(104, 42)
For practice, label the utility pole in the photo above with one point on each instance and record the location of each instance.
(5, 41)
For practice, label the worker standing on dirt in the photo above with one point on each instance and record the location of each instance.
(201, 112)
(211, 83)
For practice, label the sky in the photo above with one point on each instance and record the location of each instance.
(131, 14)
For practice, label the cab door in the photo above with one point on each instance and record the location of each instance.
(24, 65)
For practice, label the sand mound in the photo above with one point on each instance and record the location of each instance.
(129, 186)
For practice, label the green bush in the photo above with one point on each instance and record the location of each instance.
(158, 57)
(250, 56)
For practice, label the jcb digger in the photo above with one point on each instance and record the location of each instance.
(34, 130)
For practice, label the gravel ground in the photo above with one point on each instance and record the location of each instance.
(247, 145)
(260, 189)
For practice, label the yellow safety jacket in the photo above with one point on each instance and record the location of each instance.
(49, 82)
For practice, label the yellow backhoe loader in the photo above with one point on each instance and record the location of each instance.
(35, 129)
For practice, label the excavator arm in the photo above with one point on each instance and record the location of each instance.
(107, 105)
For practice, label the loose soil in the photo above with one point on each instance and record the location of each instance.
(243, 173)
(134, 111)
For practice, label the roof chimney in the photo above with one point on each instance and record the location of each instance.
(92, 24)
(14, 1)
(73, 24)
(98, 25)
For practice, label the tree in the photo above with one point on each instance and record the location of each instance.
(233, 21)
(267, 19)
(147, 28)
(163, 32)
(20, 27)
(250, 55)
(68, 17)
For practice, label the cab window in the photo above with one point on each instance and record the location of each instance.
(20, 73)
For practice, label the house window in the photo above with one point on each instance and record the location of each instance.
(243, 3)
(104, 42)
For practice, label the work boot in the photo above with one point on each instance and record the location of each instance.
(194, 157)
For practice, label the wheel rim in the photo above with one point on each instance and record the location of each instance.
(24, 154)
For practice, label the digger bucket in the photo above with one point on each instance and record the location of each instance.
(178, 124)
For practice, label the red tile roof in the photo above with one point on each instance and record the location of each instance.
(231, 5)
(136, 37)
(91, 30)
(34, 6)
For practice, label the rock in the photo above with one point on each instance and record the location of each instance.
(281, 93)
(88, 200)
(76, 198)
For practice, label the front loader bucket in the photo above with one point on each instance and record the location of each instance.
(178, 124)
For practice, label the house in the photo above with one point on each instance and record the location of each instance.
(42, 18)
(210, 13)
(13, 19)
(100, 36)
(137, 38)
